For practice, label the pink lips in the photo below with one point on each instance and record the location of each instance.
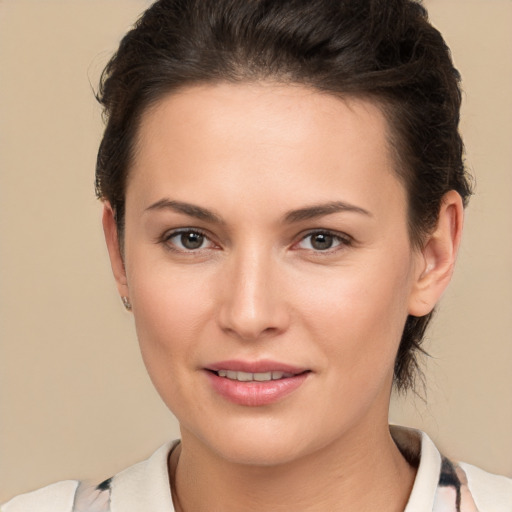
(255, 393)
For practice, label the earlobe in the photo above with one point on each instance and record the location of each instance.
(437, 257)
(114, 249)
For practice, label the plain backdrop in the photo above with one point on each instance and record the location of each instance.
(75, 401)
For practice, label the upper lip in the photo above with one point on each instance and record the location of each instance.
(262, 366)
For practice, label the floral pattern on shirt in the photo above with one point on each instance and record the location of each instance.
(452, 493)
(93, 498)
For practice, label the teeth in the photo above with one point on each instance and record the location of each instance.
(263, 376)
(249, 377)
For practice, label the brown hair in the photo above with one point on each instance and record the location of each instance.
(382, 50)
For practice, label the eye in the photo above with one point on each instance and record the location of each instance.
(187, 240)
(322, 241)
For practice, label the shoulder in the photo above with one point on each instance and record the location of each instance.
(442, 485)
(131, 490)
(491, 493)
(58, 497)
(65, 496)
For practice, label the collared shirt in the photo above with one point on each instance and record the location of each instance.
(440, 485)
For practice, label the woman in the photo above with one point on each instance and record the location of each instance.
(283, 190)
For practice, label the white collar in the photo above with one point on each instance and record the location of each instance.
(419, 445)
(145, 486)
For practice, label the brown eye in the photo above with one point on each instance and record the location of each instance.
(187, 240)
(321, 241)
(191, 240)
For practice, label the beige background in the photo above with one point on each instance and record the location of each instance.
(75, 399)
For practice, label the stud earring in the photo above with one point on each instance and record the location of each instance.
(126, 303)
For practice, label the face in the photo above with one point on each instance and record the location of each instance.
(268, 263)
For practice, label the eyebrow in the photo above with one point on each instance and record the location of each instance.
(307, 213)
(319, 210)
(188, 209)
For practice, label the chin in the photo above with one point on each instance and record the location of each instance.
(263, 441)
(258, 452)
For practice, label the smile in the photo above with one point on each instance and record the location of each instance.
(253, 383)
(253, 377)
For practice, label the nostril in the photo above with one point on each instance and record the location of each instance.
(253, 333)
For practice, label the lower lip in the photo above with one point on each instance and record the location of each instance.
(253, 393)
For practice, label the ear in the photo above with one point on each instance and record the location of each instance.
(437, 257)
(114, 249)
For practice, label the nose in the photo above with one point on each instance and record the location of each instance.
(253, 306)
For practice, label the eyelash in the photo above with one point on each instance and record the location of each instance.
(168, 236)
(341, 240)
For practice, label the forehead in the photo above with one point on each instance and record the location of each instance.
(274, 112)
(235, 137)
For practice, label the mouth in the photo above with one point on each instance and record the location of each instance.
(254, 377)
(255, 383)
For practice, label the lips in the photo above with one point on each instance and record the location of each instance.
(255, 383)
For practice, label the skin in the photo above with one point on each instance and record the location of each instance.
(257, 288)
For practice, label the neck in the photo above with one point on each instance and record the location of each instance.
(363, 471)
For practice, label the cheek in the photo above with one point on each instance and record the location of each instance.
(170, 311)
(357, 302)
(358, 314)
(170, 307)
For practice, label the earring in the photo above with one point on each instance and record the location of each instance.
(126, 303)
